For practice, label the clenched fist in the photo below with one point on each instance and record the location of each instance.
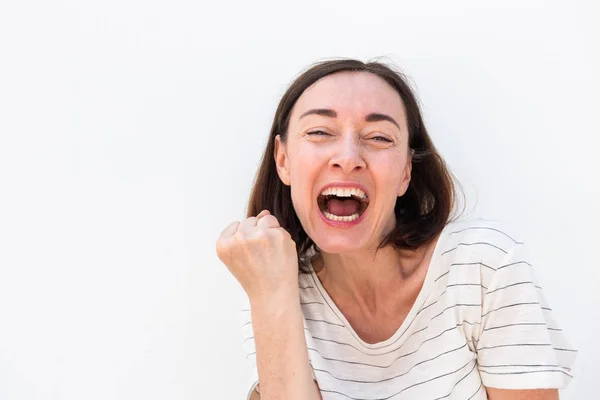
(260, 254)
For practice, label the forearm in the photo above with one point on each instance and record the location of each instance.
(281, 353)
(536, 394)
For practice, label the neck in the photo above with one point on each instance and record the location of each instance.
(370, 276)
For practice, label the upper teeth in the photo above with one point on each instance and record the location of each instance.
(344, 192)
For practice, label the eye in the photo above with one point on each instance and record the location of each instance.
(381, 139)
(318, 133)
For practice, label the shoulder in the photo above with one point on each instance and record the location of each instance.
(479, 239)
(491, 232)
(470, 252)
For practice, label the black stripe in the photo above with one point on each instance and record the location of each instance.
(432, 303)
(507, 286)
(327, 322)
(462, 264)
(306, 287)
(457, 382)
(246, 323)
(508, 306)
(437, 377)
(523, 365)
(406, 388)
(393, 350)
(386, 379)
(429, 322)
(441, 276)
(473, 263)
(546, 308)
(467, 284)
(488, 228)
(515, 345)
(424, 328)
(388, 352)
(374, 365)
(302, 303)
(526, 372)
(559, 349)
(473, 244)
(448, 308)
(519, 324)
(478, 389)
(511, 264)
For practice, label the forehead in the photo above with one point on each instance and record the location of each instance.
(351, 92)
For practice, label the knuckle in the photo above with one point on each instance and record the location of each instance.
(257, 237)
(239, 237)
(285, 233)
(279, 234)
(272, 232)
(271, 218)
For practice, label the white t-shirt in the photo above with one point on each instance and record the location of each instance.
(480, 320)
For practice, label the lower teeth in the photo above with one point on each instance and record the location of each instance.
(337, 218)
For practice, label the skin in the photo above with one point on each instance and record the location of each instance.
(374, 290)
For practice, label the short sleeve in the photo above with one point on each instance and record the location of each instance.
(519, 344)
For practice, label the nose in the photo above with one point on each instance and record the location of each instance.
(348, 155)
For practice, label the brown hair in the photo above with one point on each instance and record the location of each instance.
(421, 213)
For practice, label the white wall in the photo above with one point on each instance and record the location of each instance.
(130, 131)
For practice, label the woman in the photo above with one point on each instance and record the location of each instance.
(360, 284)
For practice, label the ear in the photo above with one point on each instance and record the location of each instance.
(406, 178)
(282, 161)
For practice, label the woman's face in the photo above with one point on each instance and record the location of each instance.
(346, 160)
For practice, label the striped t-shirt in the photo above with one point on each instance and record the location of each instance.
(480, 320)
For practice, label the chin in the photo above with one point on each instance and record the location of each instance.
(338, 245)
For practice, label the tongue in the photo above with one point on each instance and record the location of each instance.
(343, 208)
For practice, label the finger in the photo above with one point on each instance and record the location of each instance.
(268, 221)
(248, 225)
(230, 230)
(263, 213)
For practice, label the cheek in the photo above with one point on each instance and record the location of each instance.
(303, 175)
(304, 166)
(299, 181)
(302, 203)
(390, 172)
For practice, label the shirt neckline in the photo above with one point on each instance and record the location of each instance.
(399, 335)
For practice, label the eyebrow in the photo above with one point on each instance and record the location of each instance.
(373, 117)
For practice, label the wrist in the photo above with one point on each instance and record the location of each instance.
(275, 302)
(273, 289)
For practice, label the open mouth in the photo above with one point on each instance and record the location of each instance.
(342, 204)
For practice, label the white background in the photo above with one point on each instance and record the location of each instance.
(130, 131)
